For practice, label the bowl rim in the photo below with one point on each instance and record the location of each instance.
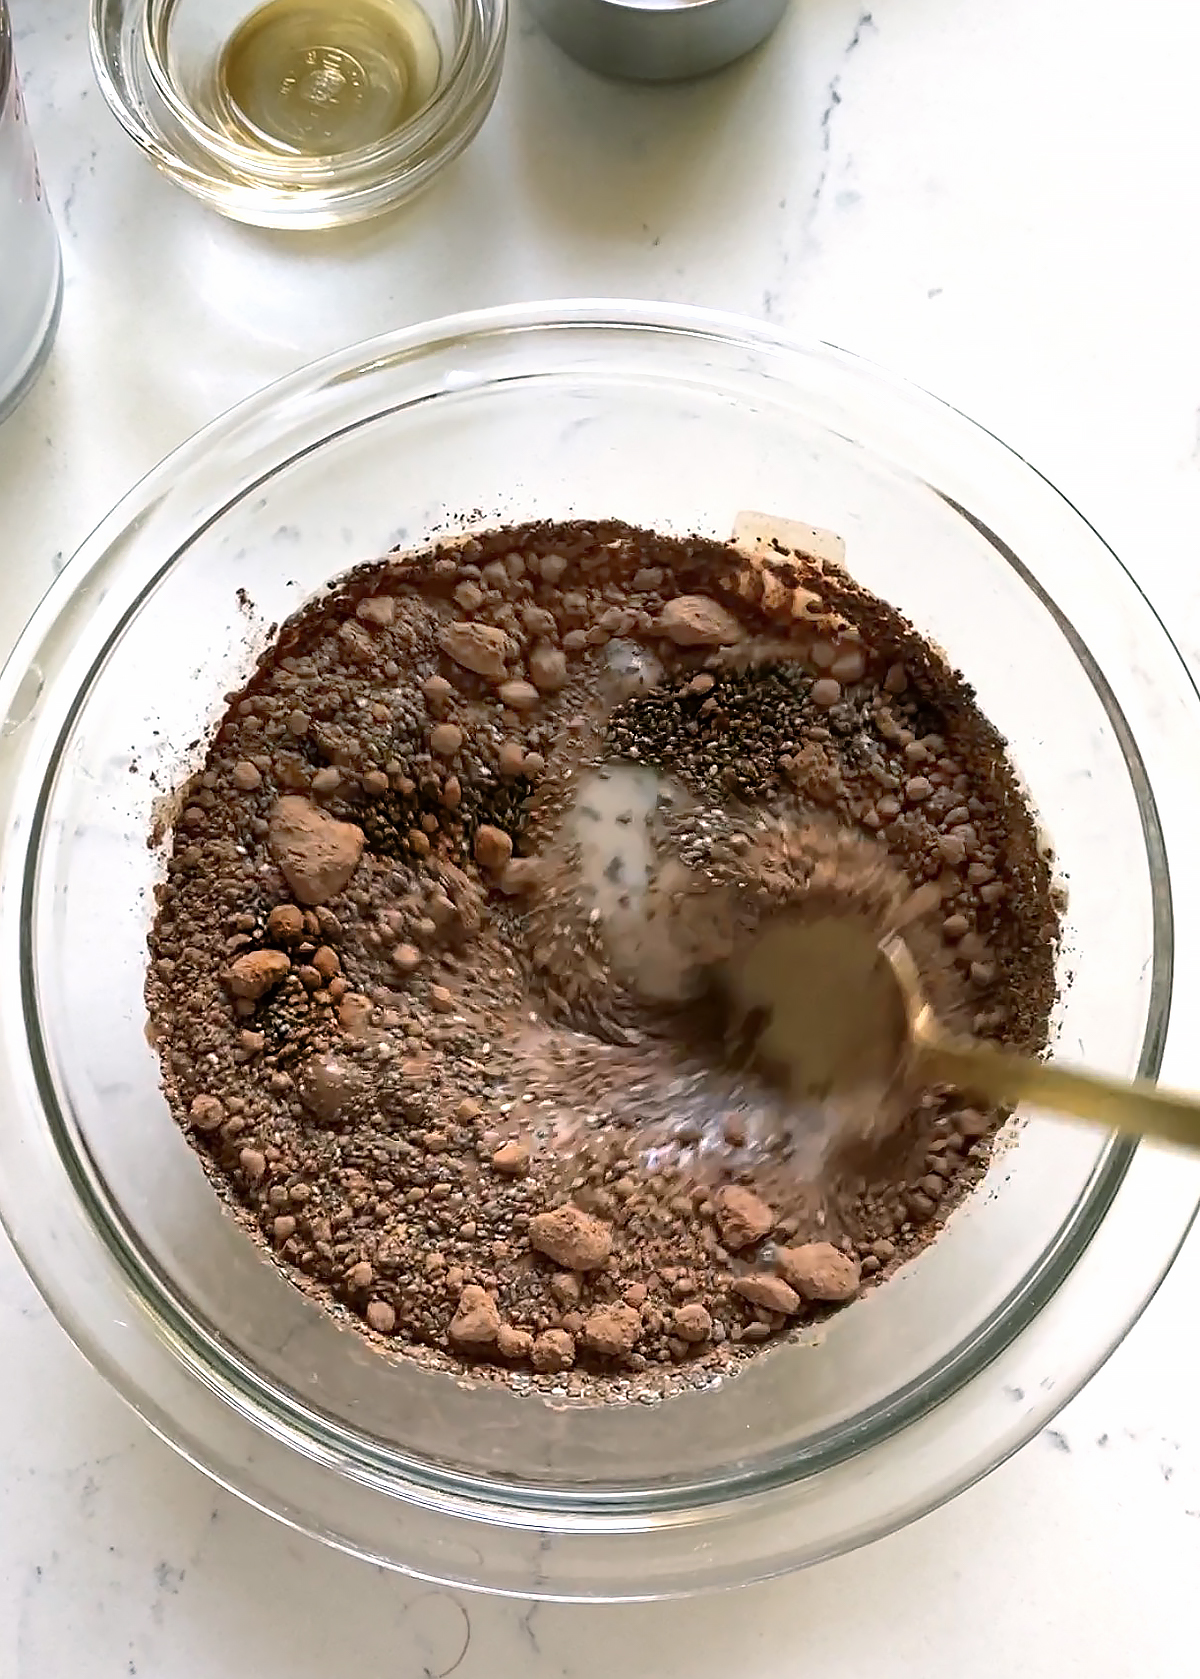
(581, 1524)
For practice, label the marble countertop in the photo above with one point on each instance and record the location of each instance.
(996, 200)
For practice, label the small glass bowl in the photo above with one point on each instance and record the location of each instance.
(155, 62)
(674, 419)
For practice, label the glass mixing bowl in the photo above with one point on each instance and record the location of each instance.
(675, 419)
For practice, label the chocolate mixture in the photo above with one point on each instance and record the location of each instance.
(423, 974)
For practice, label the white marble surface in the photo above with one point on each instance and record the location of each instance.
(996, 199)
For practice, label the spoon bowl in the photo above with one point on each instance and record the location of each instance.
(844, 1020)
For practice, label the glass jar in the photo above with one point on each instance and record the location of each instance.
(164, 68)
(30, 261)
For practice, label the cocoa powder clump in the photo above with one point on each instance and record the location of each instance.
(742, 1216)
(818, 1271)
(571, 1238)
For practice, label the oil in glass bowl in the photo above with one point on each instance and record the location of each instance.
(317, 78)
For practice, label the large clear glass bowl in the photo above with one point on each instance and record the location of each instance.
(674, 419)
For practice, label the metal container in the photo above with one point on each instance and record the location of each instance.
(658, 40)
(30, 262)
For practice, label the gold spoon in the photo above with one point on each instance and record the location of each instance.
(841, 1015)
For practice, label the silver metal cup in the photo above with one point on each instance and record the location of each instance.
(657, 40)
(30, 260)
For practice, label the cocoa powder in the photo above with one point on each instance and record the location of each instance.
(398, 1036)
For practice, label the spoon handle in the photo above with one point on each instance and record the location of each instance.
(999, 1076)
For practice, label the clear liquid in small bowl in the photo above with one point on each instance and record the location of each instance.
(316, 78)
